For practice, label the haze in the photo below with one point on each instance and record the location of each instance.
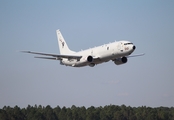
(32, 25)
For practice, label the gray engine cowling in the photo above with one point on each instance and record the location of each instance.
(92, 64)
(120, 61)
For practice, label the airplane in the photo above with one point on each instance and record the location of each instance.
(117, 51)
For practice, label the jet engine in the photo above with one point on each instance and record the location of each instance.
(92, 64)
(89, 58)
(120, 61)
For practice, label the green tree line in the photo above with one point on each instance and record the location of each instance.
(109, 112)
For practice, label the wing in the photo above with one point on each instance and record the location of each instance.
(136, 55)
(50, 58)
(54, 56)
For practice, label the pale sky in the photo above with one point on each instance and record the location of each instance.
(31, 25)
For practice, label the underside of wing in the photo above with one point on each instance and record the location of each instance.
(50, 58)
(54, 56)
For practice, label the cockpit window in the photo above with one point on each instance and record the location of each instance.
(127, 43)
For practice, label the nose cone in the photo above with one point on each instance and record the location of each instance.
(134, 47)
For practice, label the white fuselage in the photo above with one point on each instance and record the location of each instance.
(101, 54)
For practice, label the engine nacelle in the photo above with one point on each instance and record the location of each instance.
(120, 61)
(89, 58)
(92, 64)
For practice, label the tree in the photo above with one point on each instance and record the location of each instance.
(49, 114)
(110, 112)
(57, 110)
(62, 114)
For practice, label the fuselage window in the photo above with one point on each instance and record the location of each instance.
(127, 43)
(107, 48)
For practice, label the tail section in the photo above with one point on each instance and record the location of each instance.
(63, 47)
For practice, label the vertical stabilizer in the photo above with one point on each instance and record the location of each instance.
(63, 47)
